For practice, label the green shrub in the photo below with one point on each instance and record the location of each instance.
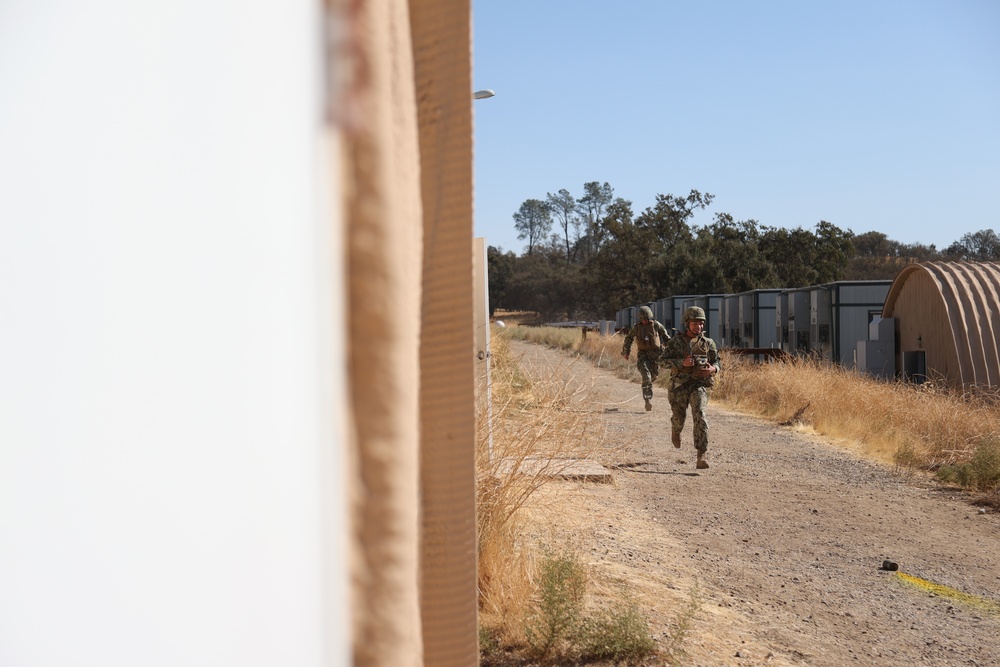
(984, 466)
(560, 630)
(980, 472)
(620, 633)
(557, 616)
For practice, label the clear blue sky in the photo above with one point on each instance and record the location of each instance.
(874, 115)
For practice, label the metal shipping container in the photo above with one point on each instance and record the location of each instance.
(756, 317)
(854, 304)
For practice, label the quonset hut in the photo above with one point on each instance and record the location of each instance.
(947, 322)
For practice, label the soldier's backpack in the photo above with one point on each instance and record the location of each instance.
(646, 337)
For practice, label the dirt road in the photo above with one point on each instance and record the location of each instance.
(783, 540)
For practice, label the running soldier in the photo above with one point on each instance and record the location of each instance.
(693, 359)
(650, 336)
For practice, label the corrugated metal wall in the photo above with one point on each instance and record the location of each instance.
(949, 315)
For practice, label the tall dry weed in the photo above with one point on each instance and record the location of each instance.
(535, 425)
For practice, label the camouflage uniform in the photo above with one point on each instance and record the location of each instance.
(649, 337)
(688, 389)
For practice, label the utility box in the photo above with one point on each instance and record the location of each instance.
(877, 355)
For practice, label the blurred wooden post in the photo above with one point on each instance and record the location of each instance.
(442, 66)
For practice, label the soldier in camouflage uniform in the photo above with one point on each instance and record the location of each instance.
(693, 359)
(650, 336)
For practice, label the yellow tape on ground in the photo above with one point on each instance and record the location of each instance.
(975, 601)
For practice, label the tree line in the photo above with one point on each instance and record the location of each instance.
(588, 256)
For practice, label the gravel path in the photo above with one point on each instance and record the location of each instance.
(783, 539)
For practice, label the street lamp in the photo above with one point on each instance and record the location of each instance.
(483, 94)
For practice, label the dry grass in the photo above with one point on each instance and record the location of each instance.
(920, 426)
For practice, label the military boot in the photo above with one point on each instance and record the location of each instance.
(702, 463)
(649, 405)
(675, 438)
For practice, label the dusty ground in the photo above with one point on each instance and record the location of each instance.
(783, 540)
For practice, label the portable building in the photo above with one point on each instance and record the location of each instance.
(730, 316)
(798, 321)
(828, 320)
(854, 304)
(756, 318)
(664, 311)
(948, 322)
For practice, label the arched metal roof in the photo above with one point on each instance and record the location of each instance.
(969, 295)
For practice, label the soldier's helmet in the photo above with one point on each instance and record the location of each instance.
(694, 313)
(645, 313)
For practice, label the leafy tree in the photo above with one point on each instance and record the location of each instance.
(500, 267)
(791, 252)
(669, 217)
(732, 248)
(615, 257)
(834, 249)
(596, 199)
(666, 241)
(801, 258)
(876, 245)
(643, 258)
(918, 252)
(563, 205)
(533, 221)
(981, 246)
(877, 257)
(617, 265)
(543, 282)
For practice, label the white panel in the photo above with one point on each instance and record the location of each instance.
(165, 400)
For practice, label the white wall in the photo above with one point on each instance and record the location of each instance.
(169, 492)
